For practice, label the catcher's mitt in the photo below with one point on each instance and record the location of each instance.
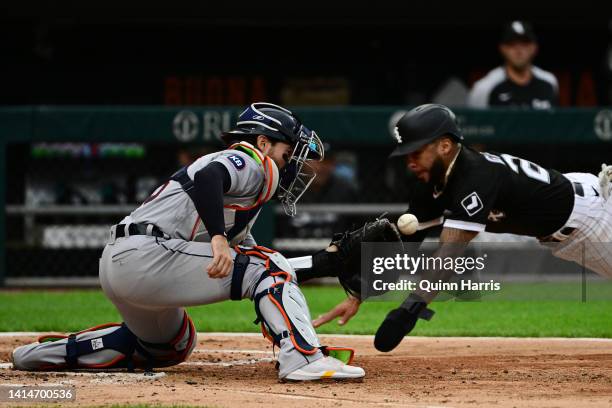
(348, 257)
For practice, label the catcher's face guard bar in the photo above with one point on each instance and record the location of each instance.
(297, 175)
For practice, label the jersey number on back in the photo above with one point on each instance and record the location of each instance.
(531, 170)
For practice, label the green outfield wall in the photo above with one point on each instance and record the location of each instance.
(347, 126)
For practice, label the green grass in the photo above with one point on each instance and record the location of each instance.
(78, 309)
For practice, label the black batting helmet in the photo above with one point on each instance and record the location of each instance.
(423, 125)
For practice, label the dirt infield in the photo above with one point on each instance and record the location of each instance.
(229, 370)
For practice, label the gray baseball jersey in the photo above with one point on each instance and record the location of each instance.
(173, 211)
(151, 279)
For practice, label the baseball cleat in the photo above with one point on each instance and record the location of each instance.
(326, 368)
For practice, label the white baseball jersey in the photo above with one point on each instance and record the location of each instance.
(592, 218)
(173, 211)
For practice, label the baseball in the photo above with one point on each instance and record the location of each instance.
(407, 224)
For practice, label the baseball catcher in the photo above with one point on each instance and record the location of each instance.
(190, 244)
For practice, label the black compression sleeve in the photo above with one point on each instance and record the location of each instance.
(324, 264)
(210, 184)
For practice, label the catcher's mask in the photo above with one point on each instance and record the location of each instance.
(297, 175)
(281, 124)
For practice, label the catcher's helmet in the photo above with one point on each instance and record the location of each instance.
(266, 119)
(423, 125)
(282, 125)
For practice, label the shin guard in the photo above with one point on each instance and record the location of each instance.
(106, 346)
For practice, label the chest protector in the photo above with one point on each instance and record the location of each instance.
(245, 213)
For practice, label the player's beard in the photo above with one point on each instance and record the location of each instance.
(436, 174)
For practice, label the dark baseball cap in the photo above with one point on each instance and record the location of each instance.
(518, 31)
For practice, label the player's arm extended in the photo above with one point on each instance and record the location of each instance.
(324, 263)
(453, 242)
(402, 320)
(454, 235)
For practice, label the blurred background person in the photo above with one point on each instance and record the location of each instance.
(336, 180)
(336, 183)
(517, 82)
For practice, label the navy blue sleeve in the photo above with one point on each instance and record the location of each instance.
(210, 183)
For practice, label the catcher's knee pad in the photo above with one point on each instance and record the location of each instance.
(106, 346)
(293, 319)
(175, 351)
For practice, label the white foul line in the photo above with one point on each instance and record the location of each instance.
(207, 336)
(231, 351)
(228, 363)
(96, 374)
(9, 366)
